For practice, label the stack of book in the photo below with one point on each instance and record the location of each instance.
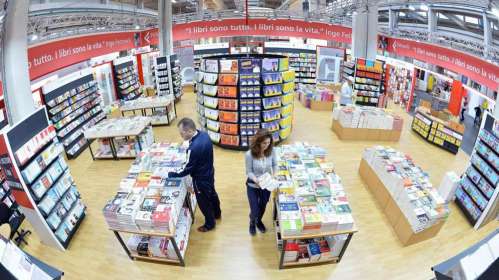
(367, 117)
(409, 186)
(147, 200)
(311, 197)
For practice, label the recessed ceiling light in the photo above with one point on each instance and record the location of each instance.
(34, 37)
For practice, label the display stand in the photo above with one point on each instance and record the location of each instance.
(367, 80)
(126, 80)
(444, 134)
(157, 211)
(162, 108)
(365, 134)
(40, 181)
(477, 194)
(73, 104)
(12, 259)
(302, 59)
(398, 199)
(237, 95)
(176, 78)
(201, 51)
(316, 98)
(112, 131)
(312, 216)
(451, 268)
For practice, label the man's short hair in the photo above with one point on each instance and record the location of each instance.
(187, 123)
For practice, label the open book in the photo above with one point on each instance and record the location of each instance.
(266, 181)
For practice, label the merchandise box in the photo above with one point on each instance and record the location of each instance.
(394, 215)
(321, 105)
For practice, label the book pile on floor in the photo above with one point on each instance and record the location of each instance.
(311, 197)
(409, 186)
(367, 117)
(146, 200)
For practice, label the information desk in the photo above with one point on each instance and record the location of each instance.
(110, 129)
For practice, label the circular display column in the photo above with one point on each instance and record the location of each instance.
(238, 94)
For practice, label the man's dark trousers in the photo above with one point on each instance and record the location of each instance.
(208, 200)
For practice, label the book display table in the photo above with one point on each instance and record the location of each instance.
(448, 135)
(366, 123)
(156, 212)
(313, 219)
(316, 98)
(114, 137)
(162, 108)
(411, 204)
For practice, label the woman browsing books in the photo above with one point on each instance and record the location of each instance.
(260, 166)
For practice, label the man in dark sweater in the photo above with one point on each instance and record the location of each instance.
(200, 167)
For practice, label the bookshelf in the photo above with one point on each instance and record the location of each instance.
(237, 95)
(201, 51)
(312, 216)
(74, 104)
(155, 212)
(126, 80)
(114, 137)
(367, 78)
(176, 77)
(477, 193)
(302, 59)
(40, 179)
(444, 134)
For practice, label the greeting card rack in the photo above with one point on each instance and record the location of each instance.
(73, 105)
(477, 193)
(126, 80)
(40, 180)
(237, 95)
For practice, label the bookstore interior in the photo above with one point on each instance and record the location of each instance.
(370, 130)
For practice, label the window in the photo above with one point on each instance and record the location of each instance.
(383, 16)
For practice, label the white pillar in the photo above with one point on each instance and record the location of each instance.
(18, 97)
(432, 23)
(165, 27)
(140, 4)
(365, 33)
(391, 20)
(487, 35)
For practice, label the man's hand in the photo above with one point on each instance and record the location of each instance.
(190, 189)
(172, 174)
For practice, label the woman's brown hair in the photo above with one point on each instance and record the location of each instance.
(259, 137)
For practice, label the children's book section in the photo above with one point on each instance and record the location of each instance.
(237, 95)
(312, 216)
(413, 207)
(366, 123)
(153, 211)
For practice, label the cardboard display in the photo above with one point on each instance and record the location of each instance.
(393, 213)
(359, 134)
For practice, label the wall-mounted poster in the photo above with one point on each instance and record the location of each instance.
(328, 64)
(211, 66)
(270, 65)
(228, 66)
(249, 66)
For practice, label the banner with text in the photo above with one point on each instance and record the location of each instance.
(476, 69)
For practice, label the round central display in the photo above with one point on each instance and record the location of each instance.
(238, 94)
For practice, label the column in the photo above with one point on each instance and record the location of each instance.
(140, 4)
(18, 97)
(432, 23)
(487, 35)
(200, 7)
(365, 33)
(391, 20)
(165, 27)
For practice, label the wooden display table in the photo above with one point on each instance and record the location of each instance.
(392, 211)
(110, 129)
(167, 234)
(348, 133)
(153, 103)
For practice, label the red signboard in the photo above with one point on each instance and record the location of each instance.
(474, 68)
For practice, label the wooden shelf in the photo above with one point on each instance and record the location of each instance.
(318, 234)
(293, 264)
(154, 259)
(148, 233)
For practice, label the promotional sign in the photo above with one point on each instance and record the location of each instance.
(328, 64)
(476, 69)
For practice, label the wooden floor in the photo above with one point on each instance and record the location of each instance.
(230, 253)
